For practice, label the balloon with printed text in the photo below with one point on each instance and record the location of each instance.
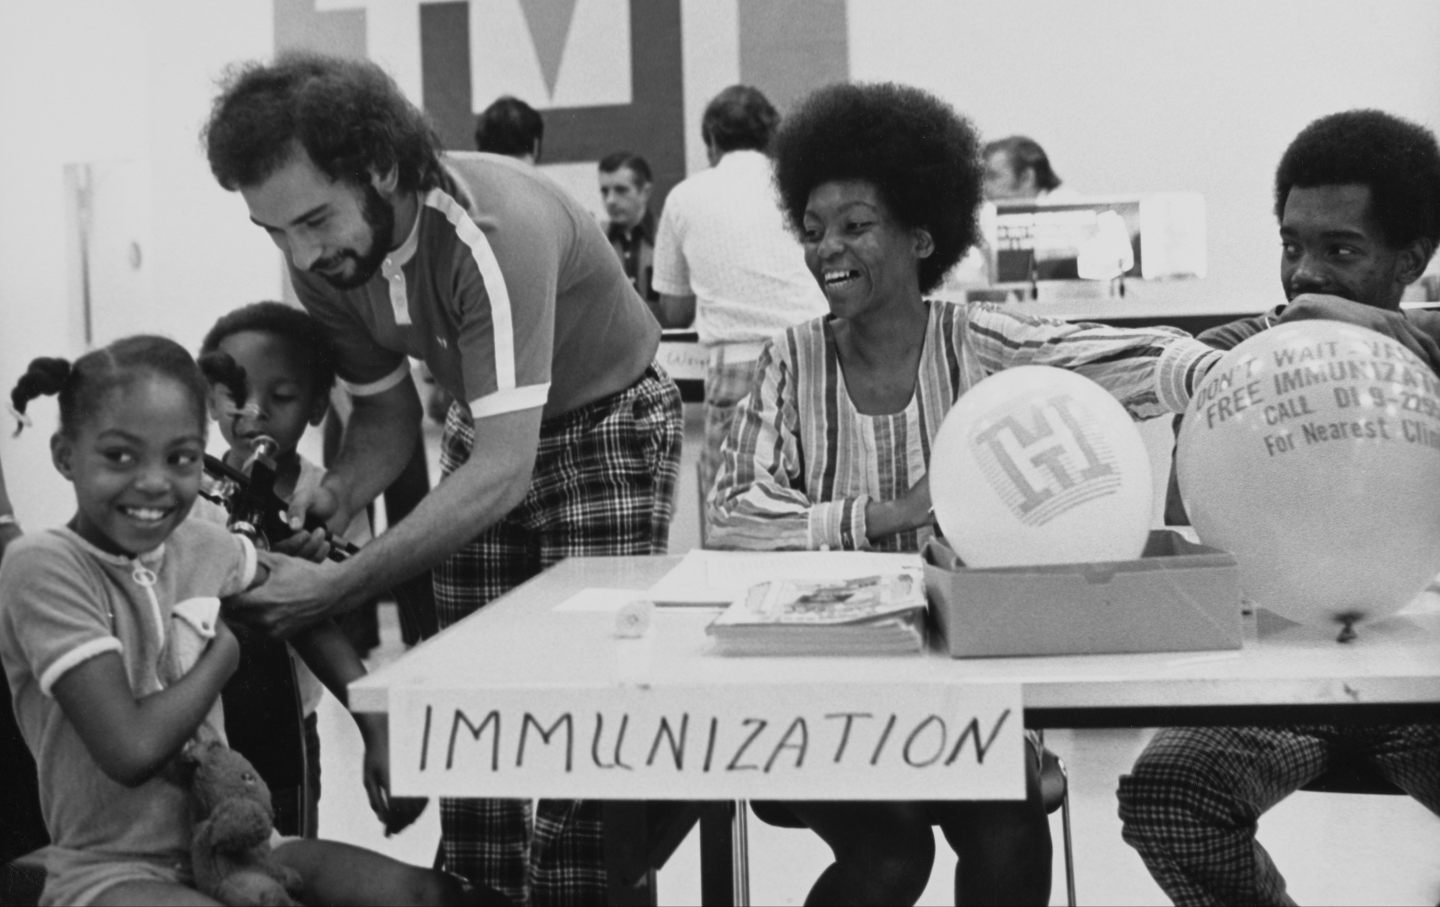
(1311, 452)
(1040, 465)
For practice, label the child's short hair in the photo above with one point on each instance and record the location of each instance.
(295, 325)
(82, 385)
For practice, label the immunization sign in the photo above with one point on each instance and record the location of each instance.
(800, 742)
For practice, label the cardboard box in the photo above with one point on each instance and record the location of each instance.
(1177, 596)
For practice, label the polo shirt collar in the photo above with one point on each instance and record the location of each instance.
(401, 256)
(743, 158)
(645, 230)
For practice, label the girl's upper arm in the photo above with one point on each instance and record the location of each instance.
(95, 696)
(132, 738)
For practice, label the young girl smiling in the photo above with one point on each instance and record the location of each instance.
(89, 618)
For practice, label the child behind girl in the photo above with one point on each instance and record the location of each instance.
(85, 624)
(285, 365)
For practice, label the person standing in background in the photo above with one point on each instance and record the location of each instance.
(724, 259)
(510, 127)
(625, 184)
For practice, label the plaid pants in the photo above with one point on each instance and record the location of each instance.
(1191, 804)
(726, 384)
(603, 484)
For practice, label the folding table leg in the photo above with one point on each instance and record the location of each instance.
(717, 855)
(741, 838)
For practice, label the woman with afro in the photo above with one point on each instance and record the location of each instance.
(881, 183)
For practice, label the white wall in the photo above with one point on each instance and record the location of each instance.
(710, 55)
(114, 80)
(1135, 95)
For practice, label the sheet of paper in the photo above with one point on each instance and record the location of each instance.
(715, 578)
(595, 599)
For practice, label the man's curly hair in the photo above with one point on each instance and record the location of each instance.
(348, 115)
(1399, 161)
(921, 156)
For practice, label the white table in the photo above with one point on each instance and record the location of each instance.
(1284, 670)
(1285, 673)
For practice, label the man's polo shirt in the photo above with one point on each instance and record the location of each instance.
(506, 288)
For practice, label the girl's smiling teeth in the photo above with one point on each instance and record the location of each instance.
(835, 277)
(146, 514)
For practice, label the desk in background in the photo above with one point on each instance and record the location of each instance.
(685, 359)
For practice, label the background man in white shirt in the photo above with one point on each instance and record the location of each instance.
(725, 260)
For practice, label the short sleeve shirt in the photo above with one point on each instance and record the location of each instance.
(62, 602)
(723, 239)
(508, 290)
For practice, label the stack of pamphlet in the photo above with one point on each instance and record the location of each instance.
(883, 614)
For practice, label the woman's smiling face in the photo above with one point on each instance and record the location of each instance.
(863, 258)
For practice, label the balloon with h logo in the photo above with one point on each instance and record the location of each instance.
(1311, 452)
(1039, 465)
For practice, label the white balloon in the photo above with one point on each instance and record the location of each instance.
(1312, 453)
(1039, 465)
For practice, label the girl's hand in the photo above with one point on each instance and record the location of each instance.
(376, 776)
(397, 813)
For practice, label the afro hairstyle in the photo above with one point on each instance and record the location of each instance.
(1397, 159)
(921, 156)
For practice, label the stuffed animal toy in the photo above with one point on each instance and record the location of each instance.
(230, 851)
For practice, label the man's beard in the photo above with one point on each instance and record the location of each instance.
(380, 218)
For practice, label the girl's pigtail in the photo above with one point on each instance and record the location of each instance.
(45, 376)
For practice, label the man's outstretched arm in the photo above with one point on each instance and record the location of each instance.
(492, 482)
